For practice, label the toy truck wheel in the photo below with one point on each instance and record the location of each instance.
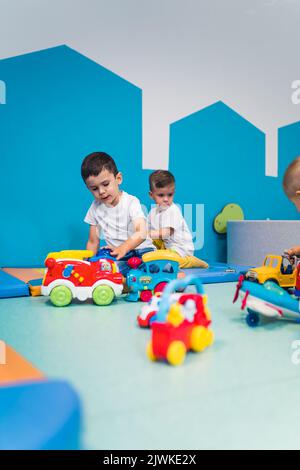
(146, 295)
(103, 295)
(201, 338)
(61, 296)
(210, 337)
(149, 351)
(176, 353)
(252, 318)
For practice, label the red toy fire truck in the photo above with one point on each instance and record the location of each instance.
(76, 274)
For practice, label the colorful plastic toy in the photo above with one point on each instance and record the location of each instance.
(218, 272)
(278, 269)
(149, 310)
(103, 253)
(151, 274)
(296, 291)
(268, 300)
(180, 324)
(70, 274)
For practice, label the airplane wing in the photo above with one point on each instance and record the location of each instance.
(262, 307)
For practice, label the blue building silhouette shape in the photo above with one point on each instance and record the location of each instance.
(61, 107)
(218, 157)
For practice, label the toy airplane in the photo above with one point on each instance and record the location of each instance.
(268, 300)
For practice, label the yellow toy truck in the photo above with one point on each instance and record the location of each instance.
(279, 269)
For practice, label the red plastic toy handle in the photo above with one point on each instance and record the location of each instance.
(134, 262)
(50, 262)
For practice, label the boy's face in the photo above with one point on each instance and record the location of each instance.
(163, 196)
(105, 187)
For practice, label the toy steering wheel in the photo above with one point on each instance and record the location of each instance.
(103, 253)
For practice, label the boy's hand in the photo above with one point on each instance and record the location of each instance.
(295, 250)
(107, 247)
(118, 252)
(111, 248)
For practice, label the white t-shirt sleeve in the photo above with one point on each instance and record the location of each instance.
(90, 216)
(135, 209)
(150, 223)
(171, 218)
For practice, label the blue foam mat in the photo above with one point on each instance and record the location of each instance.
(10, 286)
(41, 415)
(218, 272)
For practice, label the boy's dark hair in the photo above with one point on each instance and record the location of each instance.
(161, 179)
(95, 162)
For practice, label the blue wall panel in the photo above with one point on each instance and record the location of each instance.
(60, 107)
(218, 158)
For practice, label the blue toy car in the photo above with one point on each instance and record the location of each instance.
(150, 274)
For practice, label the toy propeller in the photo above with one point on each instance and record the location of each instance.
(244, 303)
(238, 286)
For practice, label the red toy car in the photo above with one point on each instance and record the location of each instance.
(149, 310)
(69, 276)
(180, 325)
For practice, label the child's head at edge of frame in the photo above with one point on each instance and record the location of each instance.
(291, 182)
(102, 177)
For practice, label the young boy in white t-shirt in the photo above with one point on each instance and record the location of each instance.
(166, 224)
(115, 213)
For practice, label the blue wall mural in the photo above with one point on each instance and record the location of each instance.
(218, 157)
(60, 106)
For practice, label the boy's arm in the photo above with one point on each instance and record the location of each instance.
(93, 241)
(294, 251)
(139, 235)
(169, 222)
(161, 233)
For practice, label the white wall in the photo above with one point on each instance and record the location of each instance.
(184, 54)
